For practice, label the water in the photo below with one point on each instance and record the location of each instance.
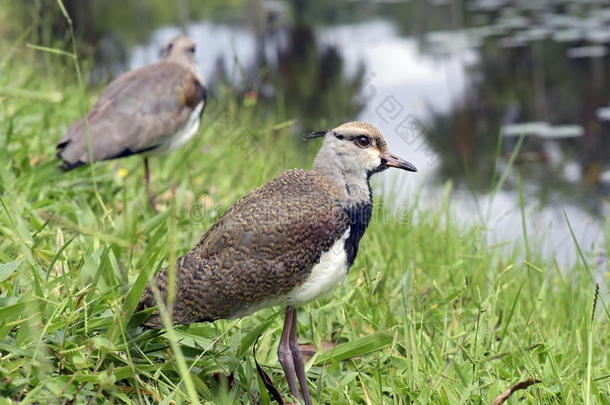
(442, 97)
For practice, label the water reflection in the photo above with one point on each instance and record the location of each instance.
(307, 74)
(541, 72)
(556, 96)
(443, 98)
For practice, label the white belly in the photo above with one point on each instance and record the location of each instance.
(324, 276)
(183, 135)
(330, 270)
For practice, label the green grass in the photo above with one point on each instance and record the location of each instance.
(430, 313)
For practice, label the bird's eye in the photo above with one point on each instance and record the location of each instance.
(191, 49)
(363, 141)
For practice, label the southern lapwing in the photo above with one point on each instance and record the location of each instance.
(150, 110)
(286, 243)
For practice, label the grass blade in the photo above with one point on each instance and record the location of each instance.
(584, 260)
(355, 348)
(507, 170)
(183, 370)
(523, 224)
(510, 317)
(6, 269)
(50, 50)
(131, 301)
(253, 335)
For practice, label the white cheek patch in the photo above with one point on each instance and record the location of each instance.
(372, 159)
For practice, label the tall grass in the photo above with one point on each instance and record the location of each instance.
(430, 313)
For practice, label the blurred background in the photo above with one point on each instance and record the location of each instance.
(452, 84)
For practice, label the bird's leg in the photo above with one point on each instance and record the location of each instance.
(151, 195)
(298, 357)
(284, 354)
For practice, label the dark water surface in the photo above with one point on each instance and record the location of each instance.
(446, 81)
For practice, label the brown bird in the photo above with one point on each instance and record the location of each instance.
(286, 243)
(150, 111)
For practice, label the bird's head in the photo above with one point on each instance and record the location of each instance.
(179, 48)
(356, 148)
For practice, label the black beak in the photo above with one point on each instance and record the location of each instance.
(391, 160)
(315, 134)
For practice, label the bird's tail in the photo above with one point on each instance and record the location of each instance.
(67, 164)
(148, 300)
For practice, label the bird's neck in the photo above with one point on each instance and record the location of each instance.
(354, 195)
(191, 65)
(354, 187)
(194, 69)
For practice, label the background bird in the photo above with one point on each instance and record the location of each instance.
(286, 243)
(150, 110)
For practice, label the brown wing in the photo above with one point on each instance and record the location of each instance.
(137, 112)
(262, 247)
